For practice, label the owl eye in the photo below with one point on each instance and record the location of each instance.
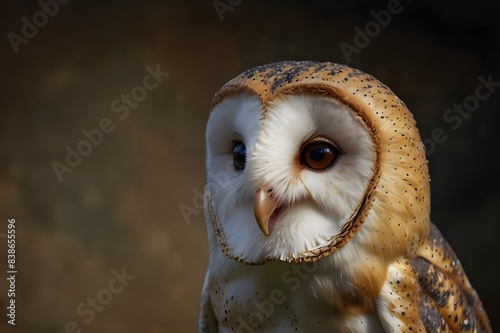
(320, 154)
(239, 156)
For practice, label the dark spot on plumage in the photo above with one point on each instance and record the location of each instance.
(320, 67)
(333, 73)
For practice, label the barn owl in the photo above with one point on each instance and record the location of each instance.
(318, 211)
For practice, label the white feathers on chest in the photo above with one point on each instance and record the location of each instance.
(280, 297)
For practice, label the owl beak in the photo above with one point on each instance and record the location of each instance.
(264, 206)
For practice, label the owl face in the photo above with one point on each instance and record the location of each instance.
(285, 179)
(294, 157)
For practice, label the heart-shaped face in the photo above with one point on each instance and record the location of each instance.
(305, 157)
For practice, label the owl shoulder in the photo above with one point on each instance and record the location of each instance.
(431, 292)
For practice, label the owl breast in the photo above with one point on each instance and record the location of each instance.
(283, 297)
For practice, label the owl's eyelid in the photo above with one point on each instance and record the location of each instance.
(320, 138)
(238, 139)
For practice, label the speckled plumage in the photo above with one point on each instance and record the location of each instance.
(386, 268)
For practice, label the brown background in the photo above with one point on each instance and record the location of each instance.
(120, 206)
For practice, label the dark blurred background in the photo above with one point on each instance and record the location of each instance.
(120, 207)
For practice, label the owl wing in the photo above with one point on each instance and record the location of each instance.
(430, 293)
(207, 321)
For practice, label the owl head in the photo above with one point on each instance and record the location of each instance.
(305, 159)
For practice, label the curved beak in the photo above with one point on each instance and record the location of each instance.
(263, 207)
